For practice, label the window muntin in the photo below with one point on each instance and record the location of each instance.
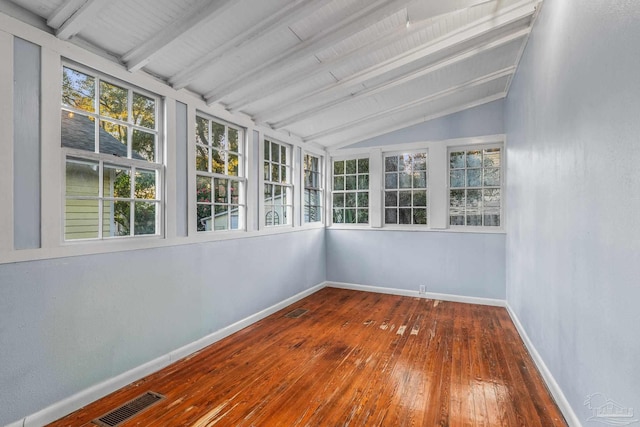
(405, 188)
(313, 193)
(278, 200)
(220, 180)
(475, 192)
(112, 159)
(350, 196)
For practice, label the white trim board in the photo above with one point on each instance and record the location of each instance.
(427, 295)
(93, 393)
(570, 417)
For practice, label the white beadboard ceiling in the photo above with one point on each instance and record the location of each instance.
(333, 72)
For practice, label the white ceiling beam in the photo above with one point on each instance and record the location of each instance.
(418, 10)
(412, 104)
(141, 55)
(79, 18)
(402, 79)
(367, 16)
(64, 12)
(479, 28)
(285, 16)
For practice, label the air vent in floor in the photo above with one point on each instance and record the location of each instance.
(296, 313)
(128, 410)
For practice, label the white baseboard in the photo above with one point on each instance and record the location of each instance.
(428, 295)
(552, 385)
(83, 398)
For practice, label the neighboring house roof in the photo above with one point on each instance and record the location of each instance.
(78, 132)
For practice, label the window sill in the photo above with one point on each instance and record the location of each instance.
(413, 228)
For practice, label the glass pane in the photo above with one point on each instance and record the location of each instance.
(363, 200)
(404, 198)
(491, 198)
(267, 149)
(456, 219)
(217, 161)
(202, 131)
(145, 184)
(457, 200)
(473, 198)
(234, 191)
(268, 194)
(283, 154)
(78, 90)
(116, 181)
(363, 165)
(283, 174)
(204, 217)
(235, 212)
(474, 177)
(391, 198)
(404, 216)
(202, 158)
(315, 164)
(391, 164)
(116, 219)
(404, 162)
(221, 217)
(492, 220)
(275, 172)
(275, 152)
(279, 196)
(338, 167)
(350, 166)
(144, 146)
(363, 216)
(350, 216)
(78, 131)
(81, 218)
(219, 140)
(419, 180)
(391, 216)
(81, 178)
(338, 200)
(350, 200)
(232, 164)
(420, 198)
(419, 216)
(315, 179)
(474, 219)
(267, 170)
(233, 139)
(338, 216)
(203, 189)
(456, 160)
(420, 162)
(220, 194)
(457, 178)
(391, 180)
(491, 158)
(474, 159)
(144, 111)
(113, 139)
(144, 218)
(307, 179)
(492, 177)
(351, 182)
(113, 101)
(405, 180)
(338, 183)
(363, 182)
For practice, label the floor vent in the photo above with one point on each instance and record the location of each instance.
(296, 313)
(128, 410)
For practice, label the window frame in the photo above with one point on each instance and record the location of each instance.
(330, 207)
(290, 206)
(320, 188)
(383, 174)
(106, 159)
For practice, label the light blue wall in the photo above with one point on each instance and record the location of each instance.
(485, 119)
(573, 238)
(466, 264)
(67, 324)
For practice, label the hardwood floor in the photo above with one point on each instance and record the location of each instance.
(354, 359)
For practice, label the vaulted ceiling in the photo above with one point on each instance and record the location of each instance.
(333, 72)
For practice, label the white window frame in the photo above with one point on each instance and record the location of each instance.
(286, 186)
(104, 158)
(241, 178)
(333, 190)
(320, 188)
(383, 174)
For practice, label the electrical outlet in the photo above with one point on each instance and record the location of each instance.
(423, 289)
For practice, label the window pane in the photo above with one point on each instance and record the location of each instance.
(404, 216)
(113, 101)
(404, 162)
(391, 216)
(143, 145)
(81, 178)
(275, 152)
(391, 164)
(457, 178)
(202, 158)
(363, 165)
(474, 219)
(203, 189)
(338, 200)
(338, 216)
(283, 174)
(420, 162)
(350, 199)
(420, 180)
(363, 216)
(491, 158)
(391, 198)
(234, 191)
(236, 212)
(283, 154)
(350, 216)
(113, 139)
(404, 198)
(391, 180)
(117, 219)
(491, 198)
(203, 218)
(363, 200)
(221, 217)
(338, 167)
(492, 177)
(232, 164)
(363, 182)
(81, 219)
(144, 218)
(78, 90)
(419, 216)
(474, 159)
(405, 180)
(218, 141)
(278, 195)
(144, 111)
(474, 177)
(145, 184)
(350, 183)
(116, 181)
(78, 131)
(267, 149)
(456, 160)
(473, 198)
(268, 194)
(420, 198)
(275, 172)
(202, 131)
(233, 140)
(338, 183)
(350, 166)
(217, 161)
(220, 190)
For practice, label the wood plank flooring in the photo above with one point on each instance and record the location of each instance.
(354, 359)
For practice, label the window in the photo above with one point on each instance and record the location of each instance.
(312, 188)
(405, 189)
(220, 180)
(277, 185)
(113, 170)
(351, 191)
(475, 187)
